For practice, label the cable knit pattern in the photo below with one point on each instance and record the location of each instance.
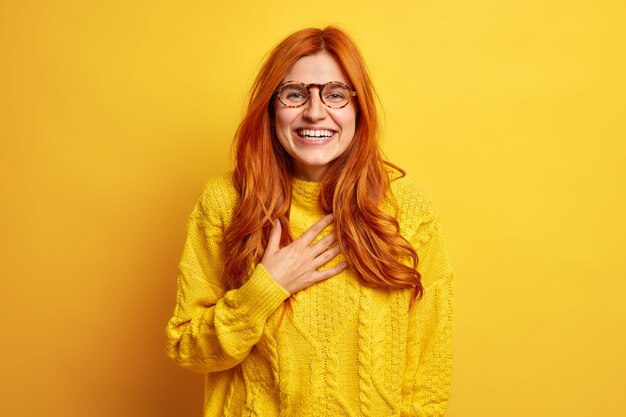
(347, 349)
(365, 354)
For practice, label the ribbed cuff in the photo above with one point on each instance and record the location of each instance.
(261, 295)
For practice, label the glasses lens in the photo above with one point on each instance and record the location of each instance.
(336, 95)
(293, 94)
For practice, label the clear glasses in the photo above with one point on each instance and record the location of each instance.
(334, 94)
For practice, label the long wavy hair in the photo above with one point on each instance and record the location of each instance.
(353, 187)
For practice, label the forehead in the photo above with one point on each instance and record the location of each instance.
(319, 68)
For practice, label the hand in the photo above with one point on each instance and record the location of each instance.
(294, 267)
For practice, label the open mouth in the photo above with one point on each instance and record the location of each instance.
(313, 135)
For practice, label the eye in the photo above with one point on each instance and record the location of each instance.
(295, 95)
(336, 93)
(335, 96)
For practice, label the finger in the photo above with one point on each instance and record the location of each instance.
(327, 273)
(326, 256)
(324, 243)
(308, 236)
(273, 243)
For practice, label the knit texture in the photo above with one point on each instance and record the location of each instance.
(346, 349)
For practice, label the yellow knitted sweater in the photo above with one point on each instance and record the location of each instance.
(347, 349)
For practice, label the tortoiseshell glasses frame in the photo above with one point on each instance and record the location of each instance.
(337, 94)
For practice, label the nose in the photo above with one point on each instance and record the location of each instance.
(314, 109)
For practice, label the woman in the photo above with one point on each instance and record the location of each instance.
(300, 292)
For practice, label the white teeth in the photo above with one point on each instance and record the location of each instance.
(315, 133)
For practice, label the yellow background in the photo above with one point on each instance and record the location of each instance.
(114, 114)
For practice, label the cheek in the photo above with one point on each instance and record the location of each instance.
(348, 123)
(282, 127)
(282, 120)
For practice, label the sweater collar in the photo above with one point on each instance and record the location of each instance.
(306, 193)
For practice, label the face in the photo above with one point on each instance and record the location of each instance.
(303, 131)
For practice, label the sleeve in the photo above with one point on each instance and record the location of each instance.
(212, 329)
(426, 386)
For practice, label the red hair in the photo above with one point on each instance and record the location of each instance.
(352, 188)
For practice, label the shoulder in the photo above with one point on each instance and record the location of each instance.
(415, 210)
(218, 199)
(411, 196)
(220, 189)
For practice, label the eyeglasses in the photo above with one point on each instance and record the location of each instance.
(334, 94)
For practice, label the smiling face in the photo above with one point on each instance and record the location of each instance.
(315, 135)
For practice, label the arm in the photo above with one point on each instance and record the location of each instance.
(426, 387)
(213, 329)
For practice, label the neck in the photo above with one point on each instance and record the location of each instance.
(311, 174)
